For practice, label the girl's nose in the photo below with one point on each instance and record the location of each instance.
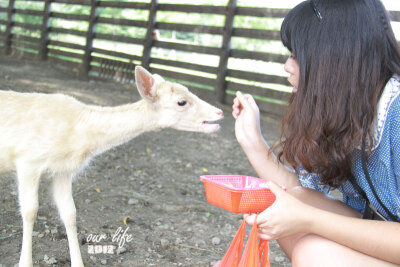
(288, 67)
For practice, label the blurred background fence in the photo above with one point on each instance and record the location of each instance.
(215, 47)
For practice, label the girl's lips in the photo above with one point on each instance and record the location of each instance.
(294, 90)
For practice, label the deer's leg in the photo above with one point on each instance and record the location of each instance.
(62, 192)
(28, 185)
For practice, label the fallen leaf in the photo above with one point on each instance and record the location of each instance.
(98, 190)
(126, 220)
(148, 150)
(205, 170)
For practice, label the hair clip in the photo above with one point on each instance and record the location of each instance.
(316, 10)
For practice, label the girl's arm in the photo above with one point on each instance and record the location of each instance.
(303, 210)
(248, 134)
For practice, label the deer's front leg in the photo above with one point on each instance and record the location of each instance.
(28, 185)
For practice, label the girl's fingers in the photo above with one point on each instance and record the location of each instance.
(252, 102)
(265, 237)
(250, 219)
(264, 230)
(263, 223)
(247, 101)
(247, 96)
(235, 108)
(235, 112)
(243, 100)
(236, 101)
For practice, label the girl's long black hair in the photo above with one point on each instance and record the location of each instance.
(346, 55)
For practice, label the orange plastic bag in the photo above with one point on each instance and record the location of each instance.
(256, 252)
(234, 252)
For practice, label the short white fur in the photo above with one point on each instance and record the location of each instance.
(57, 135)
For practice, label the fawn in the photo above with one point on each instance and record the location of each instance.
(57, 135)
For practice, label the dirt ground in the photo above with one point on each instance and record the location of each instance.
(153, 179)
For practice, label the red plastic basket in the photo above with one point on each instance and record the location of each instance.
(237, 193)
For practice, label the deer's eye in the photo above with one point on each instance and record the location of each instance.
(182, 103)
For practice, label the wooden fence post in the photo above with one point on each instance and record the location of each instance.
(149, 41)
(10, 22)
(87, 57)
(225, 51)
(45, 30)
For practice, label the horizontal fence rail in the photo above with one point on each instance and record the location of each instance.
(95, 37)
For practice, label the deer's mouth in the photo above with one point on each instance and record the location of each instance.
(211, 126)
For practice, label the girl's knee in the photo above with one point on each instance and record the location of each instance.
(307, 251)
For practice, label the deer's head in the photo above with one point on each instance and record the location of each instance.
(175, 106)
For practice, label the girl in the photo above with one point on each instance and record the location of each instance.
(341, 130)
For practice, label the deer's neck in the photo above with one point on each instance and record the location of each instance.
(107, 127)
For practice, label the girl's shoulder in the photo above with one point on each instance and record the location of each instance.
(388, 108)
(389, 100)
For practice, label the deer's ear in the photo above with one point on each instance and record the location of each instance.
(146, 84)
(158, 78)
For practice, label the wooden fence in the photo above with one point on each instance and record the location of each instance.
(218, 81)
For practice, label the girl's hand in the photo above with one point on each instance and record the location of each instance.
(247, 115)
(285, 217)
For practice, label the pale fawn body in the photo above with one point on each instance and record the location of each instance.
(58, 135)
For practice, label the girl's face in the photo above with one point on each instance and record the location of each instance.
(292, 67)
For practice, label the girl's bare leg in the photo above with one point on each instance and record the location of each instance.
(313, 250)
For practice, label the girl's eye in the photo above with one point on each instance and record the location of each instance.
(182, 103)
